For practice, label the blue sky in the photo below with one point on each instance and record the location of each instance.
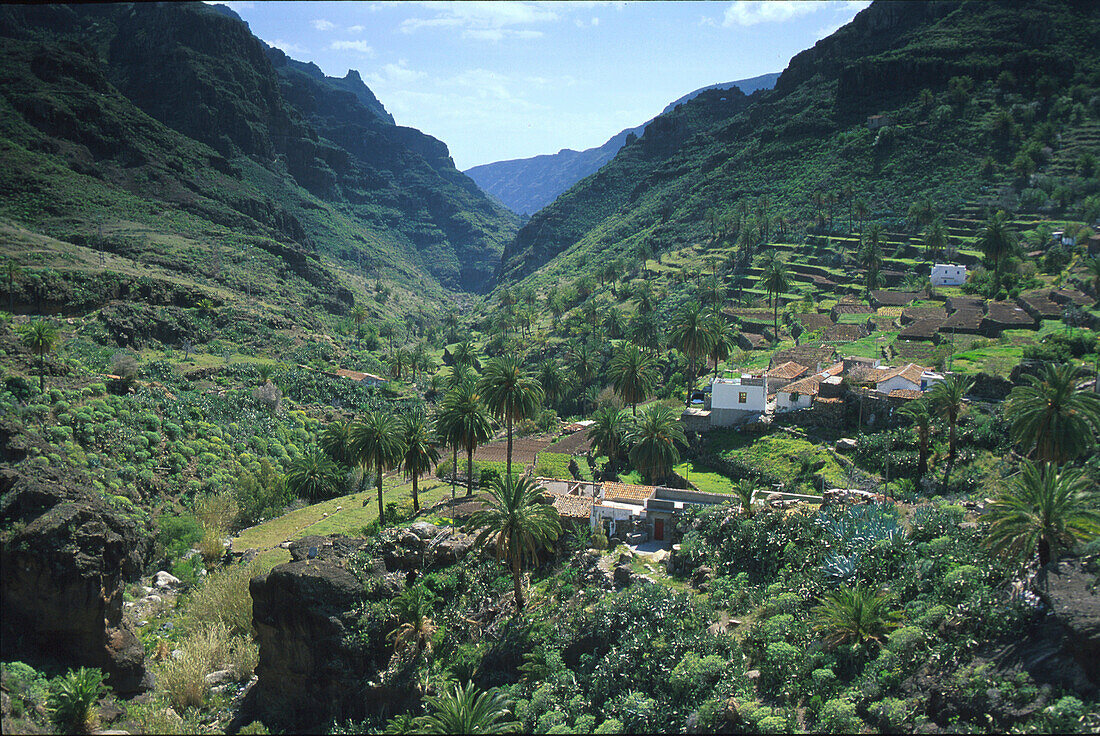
(502, 80)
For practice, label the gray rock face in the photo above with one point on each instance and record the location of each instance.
(302, 613)
(62, 572)
(1070, 591)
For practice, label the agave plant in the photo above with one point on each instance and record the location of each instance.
(840, 568)
(73, 701)
(467, 709)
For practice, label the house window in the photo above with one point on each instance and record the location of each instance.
(742, 397)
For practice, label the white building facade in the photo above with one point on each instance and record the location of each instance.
(948, 274)
(733, 399)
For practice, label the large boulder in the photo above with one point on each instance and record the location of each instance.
(66, 557)
(308, 672)
(1070, 589)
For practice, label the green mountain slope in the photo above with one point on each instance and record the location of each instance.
(124, 123)
(529, 184)
(811, 134)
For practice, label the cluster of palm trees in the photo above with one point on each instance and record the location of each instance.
(1053, 422)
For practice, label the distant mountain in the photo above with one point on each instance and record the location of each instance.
(946, 100)
(526, 185)
(134, 121)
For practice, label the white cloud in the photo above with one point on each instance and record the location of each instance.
(484, 21)
(355, 29)
(359, 47)
(395, 74)
(322, 25)
(287, 47)
(751, 12)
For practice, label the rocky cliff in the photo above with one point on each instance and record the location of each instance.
(66, 558)
(317, 663)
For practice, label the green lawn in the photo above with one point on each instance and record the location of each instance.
(777, 455)
(350, 520)
(704, 477)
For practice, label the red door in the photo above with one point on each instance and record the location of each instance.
(659, 529)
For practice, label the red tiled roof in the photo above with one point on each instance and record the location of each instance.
(573, 507)
(835, 369)
(626, 491)
(910, 372)
(790, 369)
(905, 393)
(356, 375)
(806, 385)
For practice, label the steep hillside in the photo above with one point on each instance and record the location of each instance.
(126, 127)
(527, 185)
(965, 88)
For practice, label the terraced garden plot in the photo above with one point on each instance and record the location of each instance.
(524, 450)
(572, 444)
(553, 465)
(777, 456)
(704, 477)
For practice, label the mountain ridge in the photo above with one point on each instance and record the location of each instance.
(527, 185)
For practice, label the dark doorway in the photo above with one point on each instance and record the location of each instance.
(659, 529)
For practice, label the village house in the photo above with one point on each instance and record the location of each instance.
(367, 379)
(781, 375)
(802, 393)
(730, 401)
(910, 377)
(948, 274)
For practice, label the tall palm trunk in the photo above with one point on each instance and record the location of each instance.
(517, 579)
(775, 317)
(381, 512)
(950, 454)
(416, 500)
(454, 474)
(470, 470)
(508, 464)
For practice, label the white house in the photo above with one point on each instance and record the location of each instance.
(734, 399)
(797, 394)
(948, 274)
(911, 376)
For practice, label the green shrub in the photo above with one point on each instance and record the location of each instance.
(610, 726)
(28, 687)
(839, 716)
(177, 534)
(73, 699)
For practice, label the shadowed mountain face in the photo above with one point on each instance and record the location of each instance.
(526, 185)
(918, 65)
(236, 134)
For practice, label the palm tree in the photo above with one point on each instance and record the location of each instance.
(997, 240)
(608, 432)
(12, 271)
(466, 422)
(420, 452)
(856, 616)
(552, 382)
(653, 439)
(466, 709)
(644, 331)
(415, 626)
(40, 337)
(776, 282)
(314, 476)
(633, 374)
(1092, 268)
(510, 393)
(691, 336)
(947, 399)
(723, 341)
(936, 239)
(376, 443)
(744, 490)
(1051, 418)
(917, 411)
(1042, 511)
(518, 522)
(359, 314)
(465, 354)
(584, 360)
(335, 441)
(861, 210)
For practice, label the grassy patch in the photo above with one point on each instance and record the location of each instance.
(778, 456)
(704, 477)
(350, 519)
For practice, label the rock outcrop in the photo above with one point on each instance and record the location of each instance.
(315, 655)
(66, 557)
